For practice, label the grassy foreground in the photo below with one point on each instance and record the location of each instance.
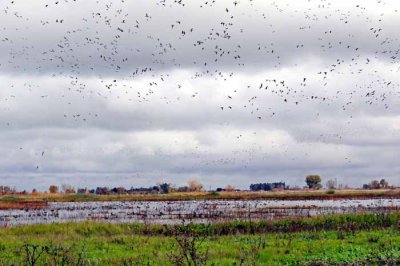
(331, 240)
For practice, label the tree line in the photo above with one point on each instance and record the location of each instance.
(312, 182)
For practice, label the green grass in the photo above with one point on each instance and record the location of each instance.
(347, 222)
(106, 248)
(376, 240)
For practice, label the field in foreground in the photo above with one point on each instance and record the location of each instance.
(364, 239)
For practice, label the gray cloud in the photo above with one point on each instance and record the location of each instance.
(326, 100)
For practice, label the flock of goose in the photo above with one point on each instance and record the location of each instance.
(130, 53)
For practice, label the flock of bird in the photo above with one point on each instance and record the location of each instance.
(131, 51)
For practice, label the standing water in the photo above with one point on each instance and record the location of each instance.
(169, 212)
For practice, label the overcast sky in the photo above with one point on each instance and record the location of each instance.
(133, 93)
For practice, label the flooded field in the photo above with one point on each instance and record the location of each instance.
(169, 212)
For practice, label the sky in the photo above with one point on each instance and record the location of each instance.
(135, 93)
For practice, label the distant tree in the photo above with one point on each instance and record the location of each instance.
(229, 188)
(313, 181)
(67, 189)
(82, 191)
(53, 189)
(183, 189)
(121, 190)
(331, 184)
(102, 191)
(164, 188)
(7, 190)
(118, 190)
(195, 186)
(172, 189)
(34, 191)
(268, 186)
(255, 187)
(375, 184)
(155, 189)
(383, 183)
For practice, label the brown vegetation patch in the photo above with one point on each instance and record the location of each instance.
(19, 205)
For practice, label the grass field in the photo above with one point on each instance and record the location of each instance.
(332, 240)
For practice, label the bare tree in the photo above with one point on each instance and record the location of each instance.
(67, 189)
(375, 184)
(33, 254)
(331, 184)
(230, 188)
(7, 190)
(195, 186)
(188, 242)
(383, 183)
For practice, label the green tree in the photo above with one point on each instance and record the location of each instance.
(313, 181)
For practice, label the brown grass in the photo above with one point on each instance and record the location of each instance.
(19, 201)
(6, 205)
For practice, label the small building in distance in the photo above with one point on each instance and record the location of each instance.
(268, 186)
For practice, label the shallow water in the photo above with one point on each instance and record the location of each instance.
(167, 212)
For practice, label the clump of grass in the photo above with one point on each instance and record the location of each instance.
(373, 239)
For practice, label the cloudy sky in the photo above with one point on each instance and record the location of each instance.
(132, 93)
